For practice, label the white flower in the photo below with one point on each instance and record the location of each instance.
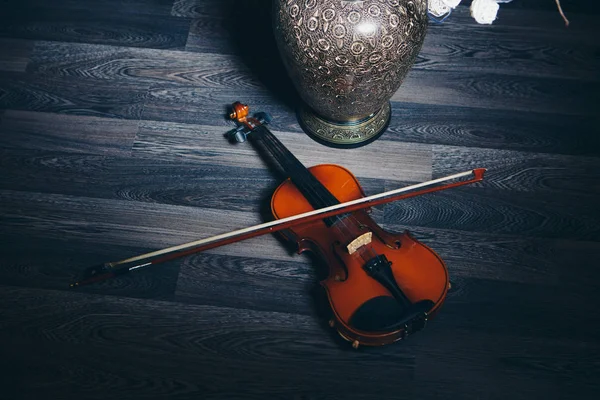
(484, 11)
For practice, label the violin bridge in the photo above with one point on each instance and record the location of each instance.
(359, 242)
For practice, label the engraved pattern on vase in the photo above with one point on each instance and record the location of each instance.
(347, 58)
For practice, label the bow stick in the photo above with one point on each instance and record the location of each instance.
(114, 268)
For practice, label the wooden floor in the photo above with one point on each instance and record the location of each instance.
(112, 123)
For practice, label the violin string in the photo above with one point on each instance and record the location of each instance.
(343, 224)
(297, 171)
(300, 174)
(278, 147)
(289, 162)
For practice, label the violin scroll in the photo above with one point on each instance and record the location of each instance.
(239, 112)
(247, 124)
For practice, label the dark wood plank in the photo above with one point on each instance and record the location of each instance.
(504, 92)
(205, 8)
(15, 54)
(521, 367)
(503, 51)
(196, 336)
(90, 372)
(579, 262)
(145, 180)
(494, 129)
(60, 132)
(141, 65)
(479, 209)
(524, 171)
(211, 30)
(103, 24)
(479, 305)
(481, 92)
(454, 83)
(200, 143)
(210, 106)
(80, 186)
(491, 256)
(411, 122)
(285, 285)
(569, 6)
(54, 263)
(109, 222)
(86, 333)
(156, 66)
(531, 16)
(72, 96)
(149, 7)
(291, 285)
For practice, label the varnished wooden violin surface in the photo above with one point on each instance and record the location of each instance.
(365, 311)
(382, 286)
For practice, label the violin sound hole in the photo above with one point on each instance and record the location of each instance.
(378, 314)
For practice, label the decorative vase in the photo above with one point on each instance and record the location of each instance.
(346, 59)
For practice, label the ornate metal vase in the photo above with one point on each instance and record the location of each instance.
(346, 59)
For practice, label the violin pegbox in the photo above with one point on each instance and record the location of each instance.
(246, 124)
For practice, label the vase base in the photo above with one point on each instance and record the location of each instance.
(349, 134)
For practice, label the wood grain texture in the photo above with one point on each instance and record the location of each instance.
(103, 222)
(200, 143)
(113, 117)
(211, 30)
(145, 179)
(494, 129)
(525, 172)
(291, 285)
(31, 262)
(68, 96)
(104, 24)
(490, 256)
(15, 54)
(209, 106)
(505, 52)
(488, 210)
(470, 368)
(411, 122)
(579, 260)
(141, 65)
(143, 7)
(66, 133)
(534, 17)
(511, 93)
(182, 334)
(500, 92)
(570, 6)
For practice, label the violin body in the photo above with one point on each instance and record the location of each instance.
(381, 286)
(365, 311)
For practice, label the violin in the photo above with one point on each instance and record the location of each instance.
(381, 286)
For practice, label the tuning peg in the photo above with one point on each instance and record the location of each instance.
(239, 134)
(264, 118)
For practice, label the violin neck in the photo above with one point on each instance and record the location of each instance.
(313, 190)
